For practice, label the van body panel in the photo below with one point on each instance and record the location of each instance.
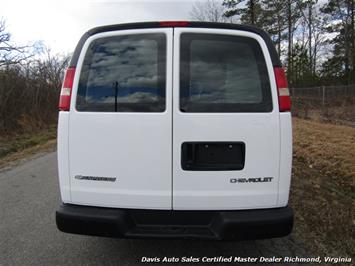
(167, 185)
(285, 158)
(63, 160)
(259, 131)
(132, 147)
(137, 150)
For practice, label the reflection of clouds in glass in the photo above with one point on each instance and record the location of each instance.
(147, 81)
(138, 97)
(222, 71)
(130, 63)
(127, 69)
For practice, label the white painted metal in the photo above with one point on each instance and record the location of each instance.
(285, 158)
(143, 150)
(133, 147)
(62, 151)
(212, 190)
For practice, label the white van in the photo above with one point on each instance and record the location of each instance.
(175, 130)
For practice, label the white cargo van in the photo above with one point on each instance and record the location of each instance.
(175, 130)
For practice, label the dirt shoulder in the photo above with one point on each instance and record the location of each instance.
(15, 149)
(322, 193)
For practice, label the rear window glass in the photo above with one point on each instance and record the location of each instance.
(124, 74)
(221, 73)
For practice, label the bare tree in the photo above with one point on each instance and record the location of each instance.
(312, 22)
(10, 53)
(50, 67)
(29, 92)
(209, 10)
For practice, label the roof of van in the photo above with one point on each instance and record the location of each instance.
(190, 24)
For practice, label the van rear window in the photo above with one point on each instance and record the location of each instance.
(124, 74)
(222, 73)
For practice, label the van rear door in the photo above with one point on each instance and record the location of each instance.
(120, 120)
(226, 134)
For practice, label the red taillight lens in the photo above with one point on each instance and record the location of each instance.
(65, 93)
(173, 23)
(282, 89)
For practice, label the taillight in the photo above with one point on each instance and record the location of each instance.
(282, 90)
(173, 23)
(65, 93)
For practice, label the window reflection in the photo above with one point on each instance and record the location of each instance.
(222, 73)
(124, 73)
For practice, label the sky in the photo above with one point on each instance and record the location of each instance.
(60, 24)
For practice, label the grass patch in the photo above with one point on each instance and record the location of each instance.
(16, 143)
(322, 192)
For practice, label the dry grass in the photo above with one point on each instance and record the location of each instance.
(335, 112)
(13, 159)
(323, 186)
(14, 148)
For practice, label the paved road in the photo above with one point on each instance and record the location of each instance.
(29, 195)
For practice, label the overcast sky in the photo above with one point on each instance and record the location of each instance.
(60, 24)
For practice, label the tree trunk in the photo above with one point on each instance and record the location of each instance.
(252, 12)
(310, 36)
(289, 48)
(347, 54)
(279, 35)
(353, 42)
(315, 47)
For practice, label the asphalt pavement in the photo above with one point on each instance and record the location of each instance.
(29, 196)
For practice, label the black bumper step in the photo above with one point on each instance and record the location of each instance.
(132, 223)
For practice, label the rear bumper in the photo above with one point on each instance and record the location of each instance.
(130, 223)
